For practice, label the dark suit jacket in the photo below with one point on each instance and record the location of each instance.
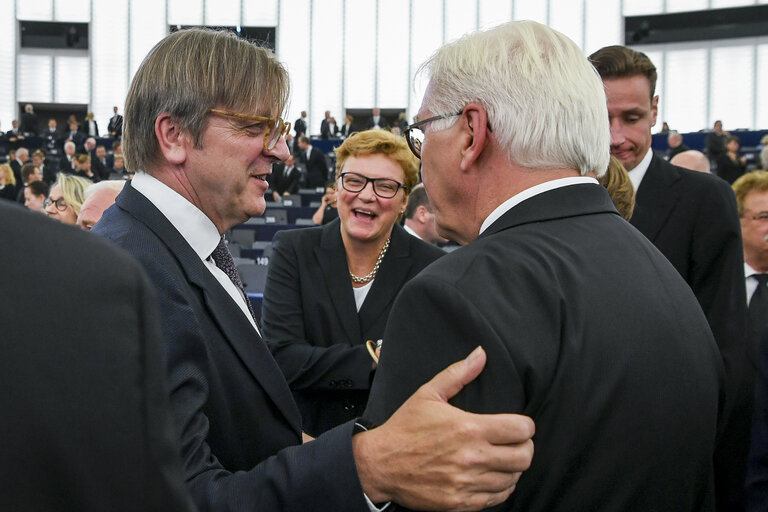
(589, 331)
(16, 168)
(86, 423)
(757, 469)
(317, 168)
(300, 127)
(282, 183)
(692, 219)
(311, 323)
(116, 125)
(239, 427)
(84, 129)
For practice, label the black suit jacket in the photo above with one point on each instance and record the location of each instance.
(116, 125)
(312, 325)
(282, 183)
(317, 168)
(591, 332)
(757, 469)
(300, 127)
(692, 219)
(16, 168)
(86, 423)
(239, 427)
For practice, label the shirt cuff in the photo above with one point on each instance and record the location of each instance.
(359, 427)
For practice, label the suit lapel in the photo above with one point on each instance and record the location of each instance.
(237, 330)
(655, 199)
(333, 260)
(394, 270)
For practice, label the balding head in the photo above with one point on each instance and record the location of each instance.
(98, 198)
(691, 159)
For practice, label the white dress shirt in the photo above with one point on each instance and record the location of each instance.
(637, 174)
(195, 227)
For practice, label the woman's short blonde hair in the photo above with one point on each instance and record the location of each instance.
(72, 190)
(380, 142)
(616, 181)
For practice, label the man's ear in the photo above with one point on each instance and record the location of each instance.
(172, 142)
(476, 139)
(421, 213)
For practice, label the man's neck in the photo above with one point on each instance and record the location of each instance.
(759, 262)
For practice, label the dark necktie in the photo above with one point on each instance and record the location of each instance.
(223, 259)
(758, 307)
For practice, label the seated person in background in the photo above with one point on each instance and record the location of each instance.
(419, 217)
(98, 197)
(67, 160)
(284, 179)
(731, 164)
(693, 160)
(66, 198)
(329, 289)
(7, 183)
(119, 171)
(676, 145)
(83, 168)
(616, 181)
(29, 174)
(35, 194)
(326, 212)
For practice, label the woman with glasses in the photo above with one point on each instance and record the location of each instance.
(66, 198)
(330, 289)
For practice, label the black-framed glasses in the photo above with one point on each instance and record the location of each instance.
(414, 133)
(275, 127)
(385, 188)
(60, 203)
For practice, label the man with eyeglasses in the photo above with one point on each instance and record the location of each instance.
(588, 328)
(202, 129)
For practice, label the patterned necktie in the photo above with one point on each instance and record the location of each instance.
(223, 259)
(758, 307)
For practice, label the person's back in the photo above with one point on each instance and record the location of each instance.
(620, 372)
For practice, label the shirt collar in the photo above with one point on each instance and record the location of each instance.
(196, 228)
(749, 271)
(636, 175)
(529, 193)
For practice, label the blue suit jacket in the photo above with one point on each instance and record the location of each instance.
(238, 424)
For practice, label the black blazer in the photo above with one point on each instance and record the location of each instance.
(317, 168)
(300, 127)
(591, 332)
(311, 323)
(281, 183)
(239, 427)
(693, 220)
(86, 423)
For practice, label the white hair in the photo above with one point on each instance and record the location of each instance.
(22, 151)
(69, 143)
(545, 101)
(116, 185)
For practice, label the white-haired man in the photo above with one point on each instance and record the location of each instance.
(588, 328)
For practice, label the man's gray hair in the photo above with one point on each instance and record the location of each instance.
(545, 102)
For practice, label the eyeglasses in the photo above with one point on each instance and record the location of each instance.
(274, 128)
(414, 133)
(60, 203)
(383, 187)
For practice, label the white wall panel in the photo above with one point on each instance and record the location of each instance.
(685, 93)
(148, 27)
(393, 41)
(109, 58)
(185, 12)
(638, 7)
(293, 52)
(731, 78)
(326, 62)
(260, 14)
(426, 37)
(39, 10)
(72, 79)
(460, 18)
(603, 25)
(535, 10)
(686, 5)
(8, 26)
(360, 47)
(34, 78)
(718, 4)
(222, 13)
(567, 16)
(494, 12)
(761, 102)
(72, 10)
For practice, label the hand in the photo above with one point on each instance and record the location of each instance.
(432, 456)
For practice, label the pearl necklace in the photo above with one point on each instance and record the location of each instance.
(369, 277)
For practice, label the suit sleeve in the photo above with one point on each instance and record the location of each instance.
(293, 479)
(306, 363)
(433, 325)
